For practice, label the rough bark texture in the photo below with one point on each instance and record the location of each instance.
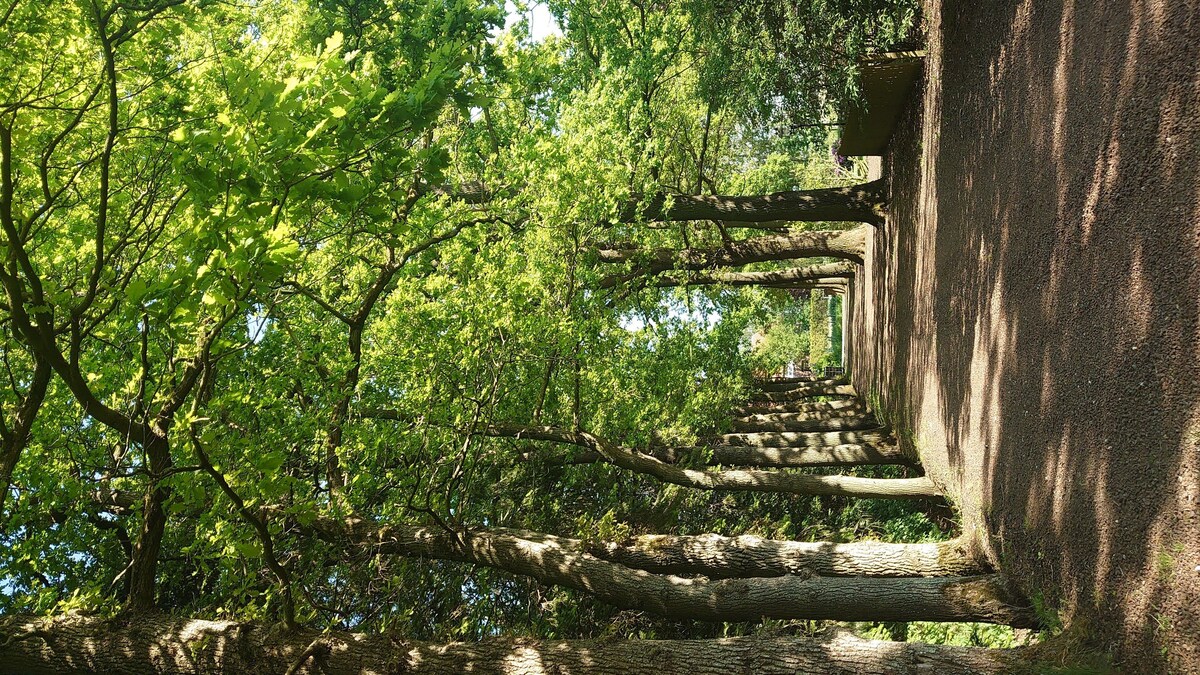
(143, 564)
(818, 413)
(844, 244)
(805, 439)
(14, 431)
(767, 407)
(708, 555)
(161, 645)
(557, 561)
(746, 480)
(832, 283)
(807, 422)
(10, 454)
(797, 379)
(748, 556)
(864, 203)
(788, 384)
(794, 275)
(847, 454)
(804, 391)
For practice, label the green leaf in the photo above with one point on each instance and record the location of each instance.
(334, 42)
(270, 462)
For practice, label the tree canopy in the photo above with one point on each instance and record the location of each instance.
(286, 284)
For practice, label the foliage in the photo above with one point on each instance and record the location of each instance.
(805, 54)
(287, 259)
(783, 337)
(819, 351)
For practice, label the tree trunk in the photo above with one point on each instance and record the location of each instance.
(143, 565)
(794, 383)
(747, 556)
(804, 391)
(803, 291)
(844, 244)
(163, 645)
(15, 437)
(743, 480)
(862, 203)
(808, 416)
(805, 439)
(772, 407)
(10, 454)
(794, 275)
(560, 562)
(817, 282)
(768, 408)
(807, 422)
(783, 380)
(849, 454)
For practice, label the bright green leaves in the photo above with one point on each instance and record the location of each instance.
(375, 220)
(333, 43)
(269, 462)
(819, 328)
(272, 121)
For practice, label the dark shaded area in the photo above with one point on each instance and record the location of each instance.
(1030, 316)
(886, 83)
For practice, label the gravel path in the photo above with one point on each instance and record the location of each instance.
(1031, 313)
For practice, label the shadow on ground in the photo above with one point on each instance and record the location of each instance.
(1031, 312)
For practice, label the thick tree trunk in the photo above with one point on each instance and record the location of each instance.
(848, 405)
(143, 566)
(716, 556)
(775, 418)
(844, 244)
(837, 283)
(799, 406)
(789, 276)
(794, 383)
(777, 226)
(743, 480)
(849, 454)
(806, 422)
(15, 437)
(709, 555)
(560, 562)
(798, 379)
(863, 203)
(802, 439)
(10, 454)
(802, 291)
(163, 645)
(804, 391)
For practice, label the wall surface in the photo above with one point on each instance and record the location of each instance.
(1029, 316)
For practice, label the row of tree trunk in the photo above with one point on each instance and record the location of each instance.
(783, 430)
(706, 577)
(717, 578)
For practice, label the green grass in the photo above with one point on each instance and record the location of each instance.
(1064, 649)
